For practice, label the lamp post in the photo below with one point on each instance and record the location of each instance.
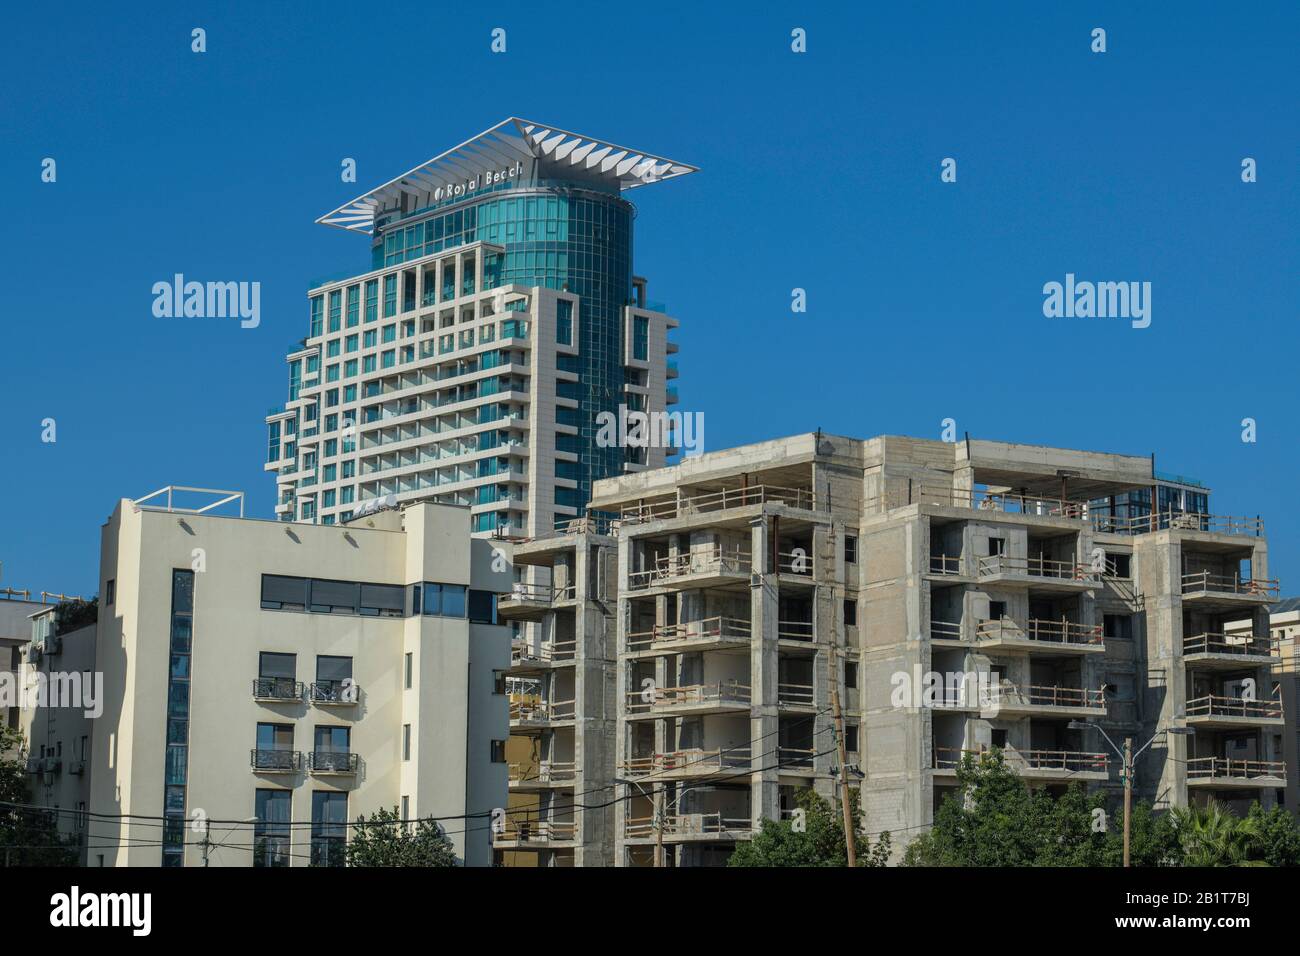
(1127, 756)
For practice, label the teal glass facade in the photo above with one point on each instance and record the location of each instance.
(562, 237)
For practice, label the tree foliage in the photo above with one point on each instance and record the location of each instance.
(28, 837)
(820, 842)
(994, 819)
(384, 840)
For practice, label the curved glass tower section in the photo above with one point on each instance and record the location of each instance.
(522, 218)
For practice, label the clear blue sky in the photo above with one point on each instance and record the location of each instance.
(820, 171)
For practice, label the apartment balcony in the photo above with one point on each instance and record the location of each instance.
(545, 775)
(277, 690)
(1219, 651)
(718, 697)
(1032, 700)
(531, 602)
(1040, 637)
(1042, 574)
(714, 567)
(333, 763)
(796, 760)
(714, 633)
(690, 764)
(690, 828)
(1225, 713)
(276, 761)
(795, 697)
(1048, 766)
(527, 659)
(1205, 588)
(728, 499)
(335, 693)
(536, 715)
(978, 500)
(796, 633)
(535, 835)
(798, 564)
(1230, 773)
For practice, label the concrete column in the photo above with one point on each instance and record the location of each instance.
(763, 677)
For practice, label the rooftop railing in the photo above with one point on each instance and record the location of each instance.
(683, 505)
(1177, 520)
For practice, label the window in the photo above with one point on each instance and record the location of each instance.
(110, 592)
(1000, 739)
(498, 682)
(564, 321)
(272, 832)
(409, 669)
(997, 610)
(334, 597)
(176, 756)
(483, 607)
(851, 739)
(383, 600)
(997, 547)
(498, 751)
(850, 549)
(276, 675)
(640, 338)
(333, 679)
(444, 600)
(329, 831)
(275, 748)
(1119, 565)
(406, 741)
(850, 613)
(850, 675)
(1117, 626)
(332, 740)
(406, 808)
(284, 594)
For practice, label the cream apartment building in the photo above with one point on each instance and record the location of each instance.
(267, 684)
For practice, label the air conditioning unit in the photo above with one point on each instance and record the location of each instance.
(34, 652)
(53, 645)
(52, 765)
(77, 767)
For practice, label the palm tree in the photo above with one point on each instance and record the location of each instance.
(1213, 836)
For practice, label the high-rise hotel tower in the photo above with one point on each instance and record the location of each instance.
(471, 363)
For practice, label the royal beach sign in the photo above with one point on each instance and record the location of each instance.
(475, 183)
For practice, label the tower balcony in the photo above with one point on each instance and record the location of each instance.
(1225, 713)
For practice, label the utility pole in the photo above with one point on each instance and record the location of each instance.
(1128, 791)
(847, 811)
(207, 839)
(659, 826)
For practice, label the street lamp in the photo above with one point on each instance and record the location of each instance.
(1128, 756)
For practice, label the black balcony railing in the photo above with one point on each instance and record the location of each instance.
(283, 761)
(335, 692)
(277, 688)
(331, 761)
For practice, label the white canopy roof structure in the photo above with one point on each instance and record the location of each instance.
(512, 141)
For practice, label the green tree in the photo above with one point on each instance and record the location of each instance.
(1277, 837)
(1213, 836)
(384, 840)
(28, 837)
(819, 843)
